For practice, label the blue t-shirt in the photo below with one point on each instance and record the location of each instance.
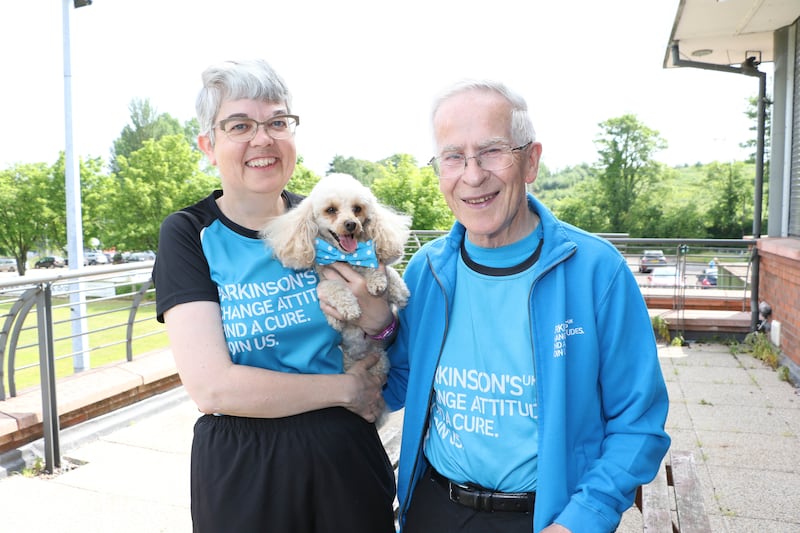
(271, 316)
(484, 423)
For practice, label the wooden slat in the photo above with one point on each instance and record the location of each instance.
(655, 504)
(692, 517)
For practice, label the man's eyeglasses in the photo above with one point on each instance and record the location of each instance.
(242, 129)
(491, 159)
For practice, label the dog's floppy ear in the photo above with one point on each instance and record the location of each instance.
(389, 231)
(292, 235)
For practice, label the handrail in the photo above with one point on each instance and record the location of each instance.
(85, 274)
(25, 293)
(24, 289)
(132, 317)
(27, 301)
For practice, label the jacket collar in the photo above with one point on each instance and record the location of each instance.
(557, 242)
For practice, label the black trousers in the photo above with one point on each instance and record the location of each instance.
(320, 472)
(431, 511)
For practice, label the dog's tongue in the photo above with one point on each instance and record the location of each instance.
(348, 243)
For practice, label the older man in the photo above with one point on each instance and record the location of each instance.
(525, 359)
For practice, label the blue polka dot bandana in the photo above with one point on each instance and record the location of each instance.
(364, 254)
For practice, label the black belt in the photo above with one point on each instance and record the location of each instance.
(482, 499)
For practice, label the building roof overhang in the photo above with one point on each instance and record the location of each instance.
(728, 32)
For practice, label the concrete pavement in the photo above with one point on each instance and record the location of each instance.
(741, 422)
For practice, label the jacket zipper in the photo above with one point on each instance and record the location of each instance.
(419, 453)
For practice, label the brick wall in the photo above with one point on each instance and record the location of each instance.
(779, 285)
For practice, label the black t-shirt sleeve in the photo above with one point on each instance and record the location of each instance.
(181, 273)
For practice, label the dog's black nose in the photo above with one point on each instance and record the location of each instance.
(350, 226)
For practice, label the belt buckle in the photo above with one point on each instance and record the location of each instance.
(455, 490)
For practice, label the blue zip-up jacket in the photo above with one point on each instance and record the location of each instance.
(601, 395)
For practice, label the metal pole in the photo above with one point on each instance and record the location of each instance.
(47, 373)
(749, 68)
(752, 69)
(72, 176)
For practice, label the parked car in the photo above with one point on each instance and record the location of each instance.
(50, 261)
(650, 259)
(85, 261)
(665, 276)
(96, 257)
(141, 256)
(8, 265)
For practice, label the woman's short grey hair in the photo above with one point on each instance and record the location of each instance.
(521, 125)
(235, 80)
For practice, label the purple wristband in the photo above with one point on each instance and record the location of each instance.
(386, 333)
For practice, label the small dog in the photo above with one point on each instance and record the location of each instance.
(342, 220)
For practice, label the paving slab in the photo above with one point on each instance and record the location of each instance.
(733, 413)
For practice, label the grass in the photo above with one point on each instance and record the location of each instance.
(762, 349)
(661, 328)
(106, 338)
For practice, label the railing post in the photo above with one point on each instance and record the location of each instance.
(680, 285)
(47, 372)
(132, 316)
(754, 290)
(17, 316)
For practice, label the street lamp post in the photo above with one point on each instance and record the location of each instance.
(80, 345)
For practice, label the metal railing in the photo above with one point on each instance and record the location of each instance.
(90, 313)
(733, 259)
(34, 320)
(52, 316)
(98, 312)
(730, 278)
(729, 285)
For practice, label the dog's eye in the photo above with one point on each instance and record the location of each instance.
(331, 210)
(357, 209)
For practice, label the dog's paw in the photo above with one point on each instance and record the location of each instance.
(398, 295)
(398, 290)
(376, 282)
(338, 296)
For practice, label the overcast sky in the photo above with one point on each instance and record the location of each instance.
(363, 73)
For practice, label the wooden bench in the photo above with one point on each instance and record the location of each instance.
(673, 502)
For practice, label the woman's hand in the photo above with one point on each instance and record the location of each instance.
(375, 311)
(367, 398)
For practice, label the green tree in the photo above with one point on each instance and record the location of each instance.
(191, 129)
(550, 187)
(752, 113)
(147, 123)
(364, 171)
(626, 168)
(580, 208)
(728, 213)
(653, 217)
(159, 178)
(96, 187)
(303, 179)
(28, 220)
(414, 191)
(686, 221)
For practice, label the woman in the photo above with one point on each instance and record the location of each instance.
(287, 442)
